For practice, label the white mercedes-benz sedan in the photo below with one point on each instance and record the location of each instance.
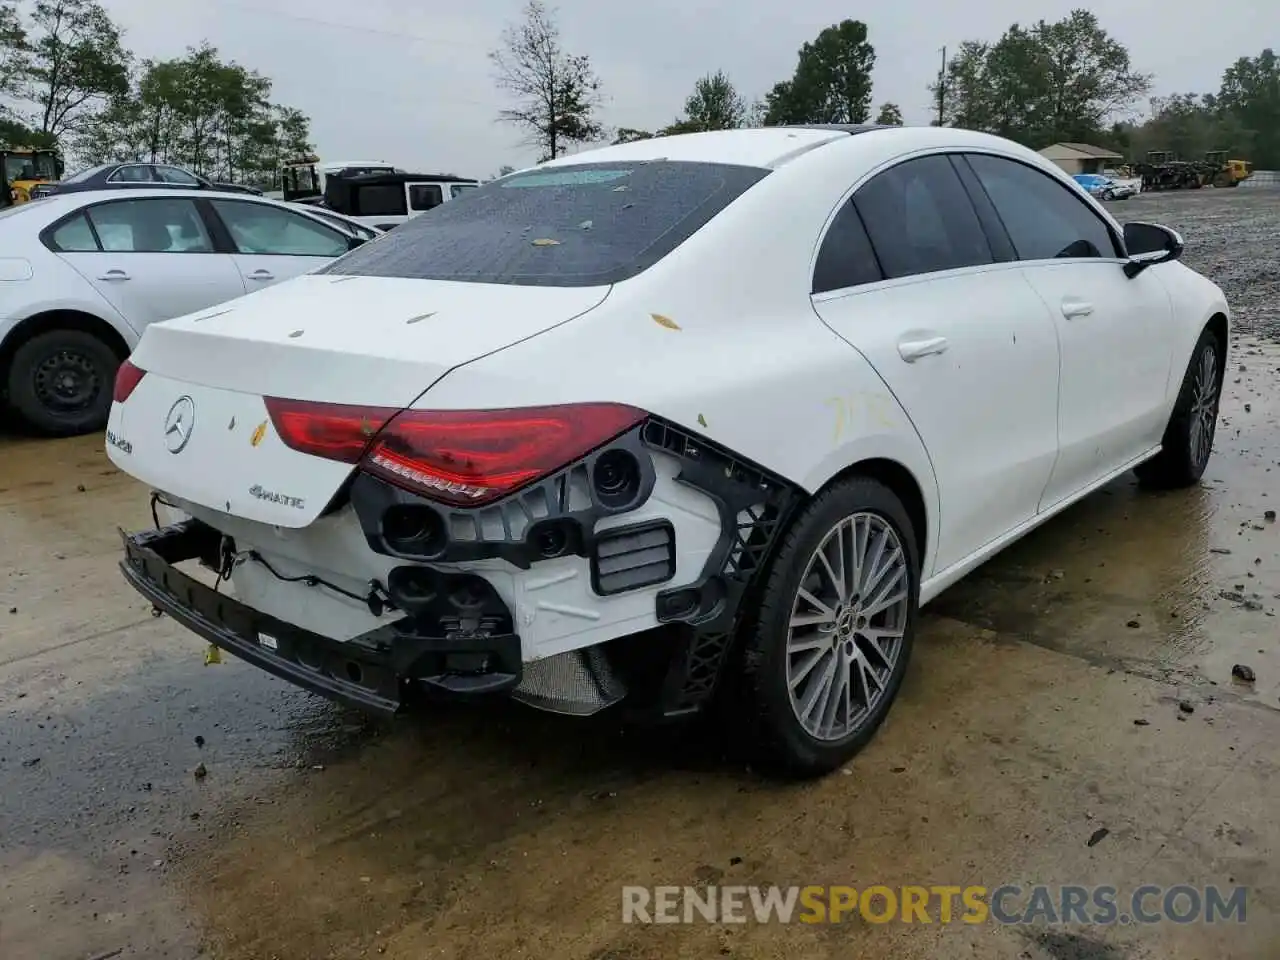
(703, 415)
(83, 273)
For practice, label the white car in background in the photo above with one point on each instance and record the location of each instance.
(632, 425)
(83, 274)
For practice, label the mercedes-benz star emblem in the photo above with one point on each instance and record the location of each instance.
(179, 423)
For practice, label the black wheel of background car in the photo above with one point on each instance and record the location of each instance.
(60, 382)
(1188, 438)
(827, 649)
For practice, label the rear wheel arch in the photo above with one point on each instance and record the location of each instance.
(59, 320)
(904, 485)
(93, 350)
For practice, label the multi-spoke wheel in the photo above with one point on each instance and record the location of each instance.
(827, 652)
(847, 624)
(1188, 438)
(60, 382)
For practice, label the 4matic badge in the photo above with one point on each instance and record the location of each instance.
(272, 497)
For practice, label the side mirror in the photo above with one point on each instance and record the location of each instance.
(1148, 244)
(354, 241)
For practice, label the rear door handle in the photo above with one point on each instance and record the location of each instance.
(913, 350)
(114, 275)
(1076, 308)
(262, 275)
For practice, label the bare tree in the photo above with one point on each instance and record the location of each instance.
(556, 93)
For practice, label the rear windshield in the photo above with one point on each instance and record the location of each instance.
(582, 225)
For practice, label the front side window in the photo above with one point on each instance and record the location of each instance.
(132, 173)
(1045, 220)
(425, 196)
(458, 189)
(920, 219)
(177, 175)
(259, 228)
(580, 225)
(156, 225)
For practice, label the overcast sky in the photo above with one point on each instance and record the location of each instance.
(408, 81)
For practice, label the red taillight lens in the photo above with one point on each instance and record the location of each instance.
(128, 377)
(465, 457)
(334, 431)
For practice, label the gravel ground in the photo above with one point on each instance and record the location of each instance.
(1233, 237)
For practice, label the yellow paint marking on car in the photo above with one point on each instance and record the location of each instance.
(872, 408)
(259, 432)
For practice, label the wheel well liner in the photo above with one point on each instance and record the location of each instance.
(58, 320)
(904, 485)
(1217, 325)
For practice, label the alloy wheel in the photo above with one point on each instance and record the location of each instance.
(1204, 406)
(848, 622)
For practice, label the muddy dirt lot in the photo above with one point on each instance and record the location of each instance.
(1070, 717)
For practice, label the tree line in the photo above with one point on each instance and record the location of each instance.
(68, 82)
(1068, 80)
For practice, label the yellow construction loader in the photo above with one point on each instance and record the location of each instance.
(23, 168)
(1224, 172)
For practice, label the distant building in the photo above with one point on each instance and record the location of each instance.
(1081, 157)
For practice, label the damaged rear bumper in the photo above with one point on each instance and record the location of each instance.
(428, 649)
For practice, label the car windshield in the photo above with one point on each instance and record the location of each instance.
(579, 225)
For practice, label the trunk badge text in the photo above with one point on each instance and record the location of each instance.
(119, 442)
(179, 424)
(272, 497)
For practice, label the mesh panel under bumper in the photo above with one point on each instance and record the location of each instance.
(371, 672)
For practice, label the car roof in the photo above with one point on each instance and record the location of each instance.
(63, 203)
(767, 147)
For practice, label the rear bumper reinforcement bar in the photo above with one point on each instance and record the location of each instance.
(373, 672)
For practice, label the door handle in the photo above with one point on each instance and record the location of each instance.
(114, 275)
(913, 350)
(1076, 308)
(262, 275)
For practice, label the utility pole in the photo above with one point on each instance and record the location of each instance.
(942, 87)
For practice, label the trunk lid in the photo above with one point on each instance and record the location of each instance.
(344, 340)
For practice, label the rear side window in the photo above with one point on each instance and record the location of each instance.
(1045, 219)
(131, 173)
(845, 258)
(920, 219)
(75, 236)
(579, 225)
(380, 201)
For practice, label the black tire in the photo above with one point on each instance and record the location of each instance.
(61, 381)
(764, 710)
(1182, 460)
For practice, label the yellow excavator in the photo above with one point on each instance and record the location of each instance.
(23, 168)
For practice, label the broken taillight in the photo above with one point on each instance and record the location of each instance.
(464, 457)
(128, 376)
